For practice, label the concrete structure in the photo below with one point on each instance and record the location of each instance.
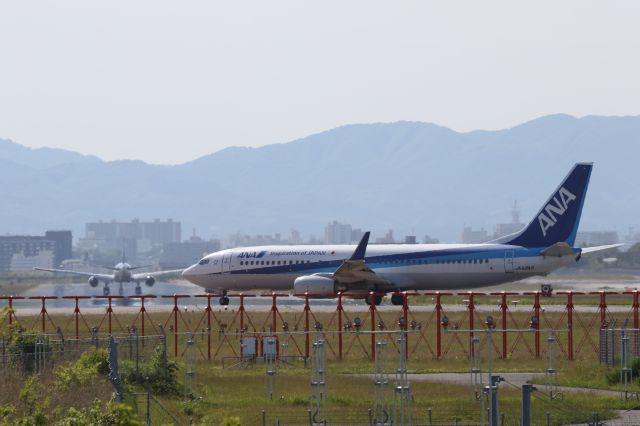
(181, 255)
(596, 238)
(471, 236)
(25, 252)
(147, 235)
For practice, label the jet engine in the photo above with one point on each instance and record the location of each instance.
(149, 281)
(93, 281)
(317, 287)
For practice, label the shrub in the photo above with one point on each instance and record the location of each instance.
(88, 366)
(160, 375)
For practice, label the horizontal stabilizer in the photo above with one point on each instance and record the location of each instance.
(599, 248)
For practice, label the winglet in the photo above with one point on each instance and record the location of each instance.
(358, 254)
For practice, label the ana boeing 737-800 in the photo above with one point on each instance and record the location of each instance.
(544, 245)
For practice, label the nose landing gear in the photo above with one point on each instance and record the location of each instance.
(138, 289)
(224, 300)
(106, 290)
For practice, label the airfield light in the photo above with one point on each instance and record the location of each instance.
(285, 326)
(381, 325)
(401, 322)
(445, 322)
(490, 322)
(318, 326)
(357, 323)
(413, 324)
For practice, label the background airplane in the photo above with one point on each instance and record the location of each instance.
(544, 245)
(122, 273)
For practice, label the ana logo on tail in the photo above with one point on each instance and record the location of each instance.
(556, 208)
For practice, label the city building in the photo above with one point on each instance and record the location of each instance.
(25, 252)
(387, 239)
(140, 236)
(503, 229)
(471, 236)
(596, 238)
(184, 254)
(338, 233)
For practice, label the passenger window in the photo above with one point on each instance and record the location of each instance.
(241, 263)
(252, 262)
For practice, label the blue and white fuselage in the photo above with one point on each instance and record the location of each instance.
(407, 266)
(545, 244)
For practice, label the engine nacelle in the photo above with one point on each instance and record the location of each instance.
(316, 286)
(93, 281)
(149, 281)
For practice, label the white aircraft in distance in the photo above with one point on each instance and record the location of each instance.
(544, 245)
(121, 274)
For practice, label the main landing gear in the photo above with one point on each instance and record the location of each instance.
(397, 299)
(373, 298)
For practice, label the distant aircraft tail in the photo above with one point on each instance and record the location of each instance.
(559, 218)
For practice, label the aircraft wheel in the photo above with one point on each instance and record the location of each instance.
(376, 299)
(105, 291)
(224, 300)
(397, 299)
(138, 290)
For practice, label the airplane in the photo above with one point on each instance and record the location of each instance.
(122, 273)
(370, 271)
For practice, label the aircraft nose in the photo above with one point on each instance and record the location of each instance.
(189, 274)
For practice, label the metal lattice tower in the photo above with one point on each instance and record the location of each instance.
(270, 365)
(40, 355)
(189, 368)
(625, 362)
(318, 400)
(380, 415)
(476, 369)
(114, 374)
(402, 391)
(551, 374)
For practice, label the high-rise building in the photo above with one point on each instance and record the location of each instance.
(25, 252)
(337, 233)
(184, 254)
(596, 238)
(471, 236)
(63, 249)
(110, 235)
(503, 229)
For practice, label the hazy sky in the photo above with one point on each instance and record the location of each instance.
(170, 81)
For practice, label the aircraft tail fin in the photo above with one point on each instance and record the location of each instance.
(558, 219)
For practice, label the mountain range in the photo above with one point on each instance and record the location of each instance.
(413, 177)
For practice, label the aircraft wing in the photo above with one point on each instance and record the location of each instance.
(142, 275)
(101, 277)
(355, 268)
(599, 248)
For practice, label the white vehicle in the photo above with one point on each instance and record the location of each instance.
(544, 245)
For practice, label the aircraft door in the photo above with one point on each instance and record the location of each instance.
(508, 261)
(226, 262)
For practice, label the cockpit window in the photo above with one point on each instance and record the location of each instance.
(203, 262)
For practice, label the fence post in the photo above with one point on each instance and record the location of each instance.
(438, 326)
(306, 325)
(76, 313)
(470, 310)
(503, 308)
(570, 325)
(274, 312)
(405, 317)
(372, 310)
(208, 327)
(603, 307)
(536, 313)
(340, 326)
(635, 309)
